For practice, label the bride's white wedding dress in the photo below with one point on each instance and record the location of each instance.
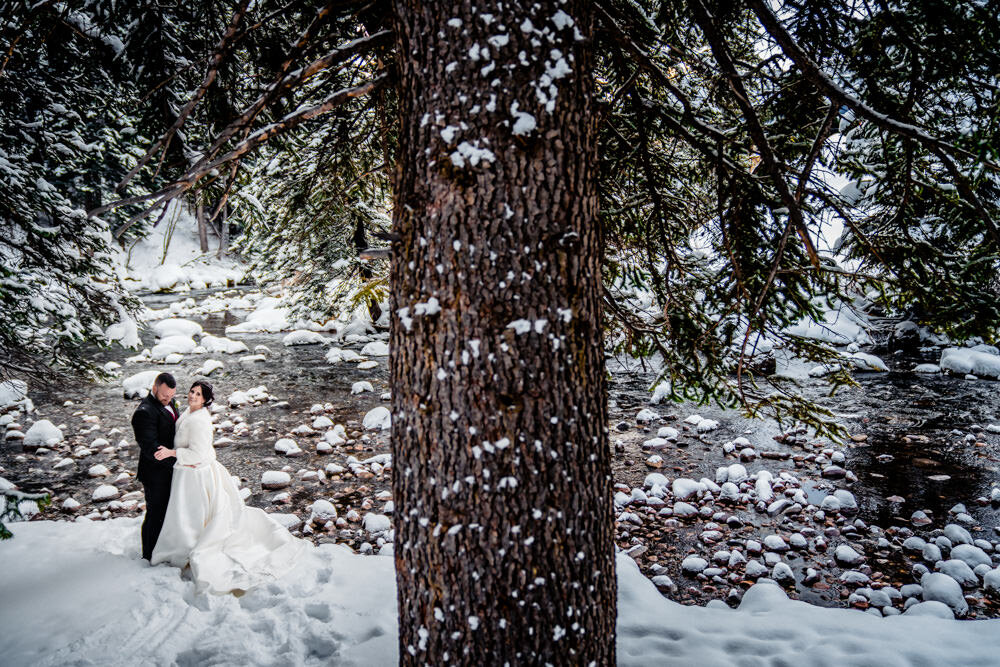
(228, 545)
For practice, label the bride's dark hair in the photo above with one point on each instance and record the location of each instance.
(206, 391)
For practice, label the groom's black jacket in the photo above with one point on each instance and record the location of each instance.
(153, 427)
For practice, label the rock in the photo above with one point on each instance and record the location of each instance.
(930, 608)
(737, 473)
(376, 523)
(99, 470)
(957, 534)
(971, 555)
(919, 518)
(706, 425)
(41, 434)
(848, 503)
(693, 564)
(775, 543)
(105, 492)
(663, 582)
(729, 493)
(754, 569)
(655, 443)
(830, 504)
(931, 552)
(646, 416)
(960, 572)
(322, 511)
(783, 573)
(667, 433)
(655, 461)
(914, 544)
(684, 510)
(287, 446)
(275, 479)
(684, 488)
(942, 588)
(846, 555)
(854, 578)
(833, 472)
(361, 387)
(322, 422)
(378, 418)
(70, 504)
(991, 583)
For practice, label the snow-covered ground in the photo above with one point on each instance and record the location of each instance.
(78, 593)
(170, 257)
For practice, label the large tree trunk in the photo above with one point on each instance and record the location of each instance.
(502, 476)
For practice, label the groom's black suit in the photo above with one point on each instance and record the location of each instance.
(154, 426)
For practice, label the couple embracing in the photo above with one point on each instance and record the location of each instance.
(195, 515)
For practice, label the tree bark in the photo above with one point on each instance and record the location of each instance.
(502, 475)
(202, 227)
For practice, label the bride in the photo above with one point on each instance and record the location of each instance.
(228, 545)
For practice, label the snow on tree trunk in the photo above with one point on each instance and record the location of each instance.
(502, 478)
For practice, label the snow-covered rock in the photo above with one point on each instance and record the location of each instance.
(105, 492)
(172, 345)
(361, 387)
(220, 345)
(138, 385)
(209, 367)
(378, 418)
(275, 479)
(12, 392)
(942, 588)
(176, 327)
(693, 564)
(303, 337)
(846, 555)
(375, 349)
(983, 362)
(42, 433)
(684, 488)
(376, 523)
(863, 361)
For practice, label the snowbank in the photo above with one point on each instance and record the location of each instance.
(99, 603)
(145, 265)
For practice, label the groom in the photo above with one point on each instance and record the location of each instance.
(154, 423)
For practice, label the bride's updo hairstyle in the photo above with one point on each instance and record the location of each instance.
(206, 391)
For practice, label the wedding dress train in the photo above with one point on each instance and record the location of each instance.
(228, 545)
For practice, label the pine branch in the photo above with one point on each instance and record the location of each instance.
(221, 51)
(774, 164)
(943, 150)
(258, 138)
(287, 81)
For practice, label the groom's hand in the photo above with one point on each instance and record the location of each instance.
(163, 453)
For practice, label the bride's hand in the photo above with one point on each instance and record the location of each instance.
(164, 453)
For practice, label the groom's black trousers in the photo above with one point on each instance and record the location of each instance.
(157, 490)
